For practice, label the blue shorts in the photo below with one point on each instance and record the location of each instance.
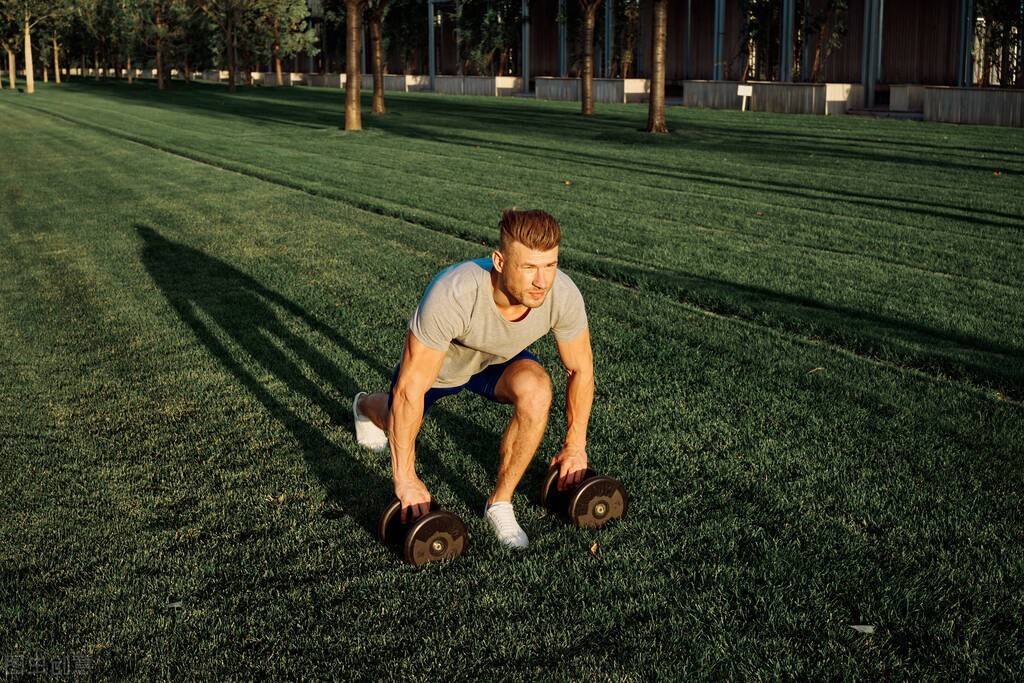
(482, 383)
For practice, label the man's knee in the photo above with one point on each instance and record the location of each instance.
(532, 390)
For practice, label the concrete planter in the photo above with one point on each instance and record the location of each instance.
(326, 80)
(983, 106)
(478, 85)
(841, 97)
(558, 89)
(406, 83)
(823, 99)
(711, 94)
(906, 98)
(607, 90)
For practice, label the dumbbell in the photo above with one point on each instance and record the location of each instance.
(591, 503)
(436, 535)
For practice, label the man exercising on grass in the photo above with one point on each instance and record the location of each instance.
(471, 331)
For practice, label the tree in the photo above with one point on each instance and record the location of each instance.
(58, 27)
(27, 14)
(227, 14)
(403, 28)
(656, 111)
(285, 28)
(376, 10)
(8, 41)
(628, 19)
(1000, 35)
(589, 8)
(823, 32)
(161, 22)
(487, 33)
(353, 77)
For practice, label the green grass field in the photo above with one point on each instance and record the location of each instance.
(810, 359)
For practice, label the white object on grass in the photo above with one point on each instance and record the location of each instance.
(368, 434)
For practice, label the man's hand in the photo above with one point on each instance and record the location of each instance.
(415, 498)
(571, 462)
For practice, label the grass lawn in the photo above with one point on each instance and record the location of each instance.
(809, 338)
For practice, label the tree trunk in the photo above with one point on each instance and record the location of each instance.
(278, 74)
(656, 111)
(353, 78)
(12, 68)
(96, 64)
(30, 78)
(46, 70)
(187, 75)
(232, 54)
(131, 74)
(56, 59)
(587, 79)
(1005, 78)
(378, 62)
(819, 61)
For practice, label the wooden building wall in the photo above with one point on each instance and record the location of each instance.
(920, 42)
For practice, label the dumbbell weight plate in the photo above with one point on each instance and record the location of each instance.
(597, 501)
(555, 500)
(437, 535)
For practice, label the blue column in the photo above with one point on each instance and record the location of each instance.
(719, 37)
(563, 40)
(871, 52)
(430, 43)
(965, 66)
(526, 46)
(688, 49)
(786, 41)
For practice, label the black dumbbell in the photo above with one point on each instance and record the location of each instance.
(591, 503)
(436, 535)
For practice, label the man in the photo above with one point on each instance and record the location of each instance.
(471, 331)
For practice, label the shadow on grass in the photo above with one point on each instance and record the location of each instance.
(226, 308)
(893, 340)
(422, 118)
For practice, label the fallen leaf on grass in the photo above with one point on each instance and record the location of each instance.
(276, 500)
(863, 628)
(814, 370)
(568, 182)
(759, 213)
(997, 173)
(593, 551)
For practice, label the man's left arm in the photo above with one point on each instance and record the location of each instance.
(578, 359)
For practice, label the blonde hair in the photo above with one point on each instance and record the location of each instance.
(534, 229)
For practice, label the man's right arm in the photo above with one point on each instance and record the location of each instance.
(420, 368)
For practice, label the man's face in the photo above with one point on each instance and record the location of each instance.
(526, 274)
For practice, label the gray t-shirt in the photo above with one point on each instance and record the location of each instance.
(457, 315)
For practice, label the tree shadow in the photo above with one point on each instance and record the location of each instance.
(897, 341)
(244, 325)
(474, 121)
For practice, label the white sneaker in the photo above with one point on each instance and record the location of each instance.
(502, 519)
(368, 434)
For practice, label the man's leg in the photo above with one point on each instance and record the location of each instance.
(524, 384)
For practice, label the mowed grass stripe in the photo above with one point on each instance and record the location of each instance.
(750, 193)
(773, 505)
(925, 346)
